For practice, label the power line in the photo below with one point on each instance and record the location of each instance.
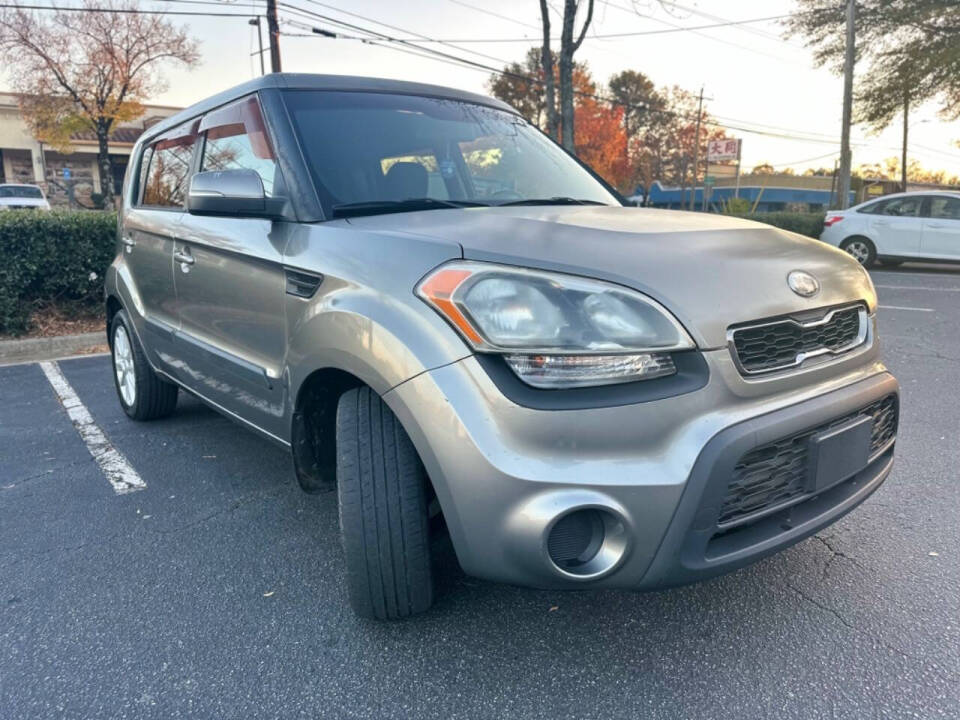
(701, 34)
(313, 15)
(453, 59)
(716, 18)
(496, 15)
(419, 37)
(801, 162)
(122, 11)
(410, 47)
(607, 36)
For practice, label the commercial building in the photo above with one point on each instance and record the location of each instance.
(69, 179)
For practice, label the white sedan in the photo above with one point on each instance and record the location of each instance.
(22, 197)
(895, 228)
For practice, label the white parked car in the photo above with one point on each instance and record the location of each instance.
(22, 197)
(895, 228)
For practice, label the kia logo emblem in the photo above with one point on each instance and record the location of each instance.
(803, 283)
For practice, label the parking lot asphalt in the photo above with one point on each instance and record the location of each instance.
(217, 591)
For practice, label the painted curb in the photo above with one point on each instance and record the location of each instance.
(52, 348)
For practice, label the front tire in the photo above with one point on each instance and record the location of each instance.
(142, 393)
(861, 249)
(382, 492)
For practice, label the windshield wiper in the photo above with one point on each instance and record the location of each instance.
(551, 201)
(380, 207)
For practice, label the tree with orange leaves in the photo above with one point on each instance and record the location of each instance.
(601, 140)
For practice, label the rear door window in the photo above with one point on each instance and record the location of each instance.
(236, 139)
(168, 169)
(944, 208)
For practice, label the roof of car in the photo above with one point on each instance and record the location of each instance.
(19, 185)
(912, 193)
(303, 81)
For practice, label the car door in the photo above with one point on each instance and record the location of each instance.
(941, 228)
(897, 226)
(149, 228)
(230, 281)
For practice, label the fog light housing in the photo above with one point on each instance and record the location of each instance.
(569, 371)
(586, 543)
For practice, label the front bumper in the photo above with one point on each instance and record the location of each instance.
(505, 473)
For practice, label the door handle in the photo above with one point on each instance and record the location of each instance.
(184, 258)
(936, 225)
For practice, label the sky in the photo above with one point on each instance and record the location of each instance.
(753, 77)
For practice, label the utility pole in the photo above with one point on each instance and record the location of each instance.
(845, 159)
(906, 116)
(273, 29)
(256, 21)
(696, 153)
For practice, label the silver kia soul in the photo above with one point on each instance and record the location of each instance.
(460, 328)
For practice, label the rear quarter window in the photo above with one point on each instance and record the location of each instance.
(872, 208)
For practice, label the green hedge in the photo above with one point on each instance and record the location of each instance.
(52, 257)
(809, 224)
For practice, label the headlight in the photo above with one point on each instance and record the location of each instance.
(556, 330)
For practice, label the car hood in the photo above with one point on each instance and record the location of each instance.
(711, 271)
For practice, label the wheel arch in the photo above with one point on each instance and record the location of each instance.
(313, 426)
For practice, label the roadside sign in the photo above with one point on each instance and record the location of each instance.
(67, 173)
(728, 149)
(709, 180)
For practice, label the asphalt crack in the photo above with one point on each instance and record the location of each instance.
(873, 638)
(235, 505)
(835, 553)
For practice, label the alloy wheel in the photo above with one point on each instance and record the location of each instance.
(123, 366)
(859, 250)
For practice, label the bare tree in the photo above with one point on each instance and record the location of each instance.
(568, 46)
(88, 71)
(546, 64)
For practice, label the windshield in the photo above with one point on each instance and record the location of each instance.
(386, 150)
(20, 191)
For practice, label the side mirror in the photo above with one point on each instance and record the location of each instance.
(231, 192)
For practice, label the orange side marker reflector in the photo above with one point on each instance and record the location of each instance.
(439, 289)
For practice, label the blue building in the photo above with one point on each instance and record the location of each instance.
(795, 193)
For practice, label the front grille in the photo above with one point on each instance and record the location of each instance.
(776, 473)
(787, 342)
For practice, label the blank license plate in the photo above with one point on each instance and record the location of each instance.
(839, 453)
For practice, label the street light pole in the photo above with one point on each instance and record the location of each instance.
(696, 154)
(256, 21)
(845, 156)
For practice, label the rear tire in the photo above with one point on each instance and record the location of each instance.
(142, 393)
(382, 492)
(861, 249)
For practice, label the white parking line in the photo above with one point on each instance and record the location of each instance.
(898, 307)
(916, 287)
(113, 464)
